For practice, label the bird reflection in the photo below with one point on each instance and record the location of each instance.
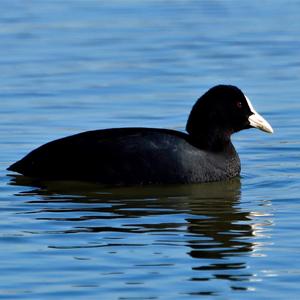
(212, 224)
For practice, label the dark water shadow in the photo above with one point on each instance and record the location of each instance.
(213, 224)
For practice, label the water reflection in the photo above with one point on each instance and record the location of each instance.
(206, 220)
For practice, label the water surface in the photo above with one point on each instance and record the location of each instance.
(78, 65)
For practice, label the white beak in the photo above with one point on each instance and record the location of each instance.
(257, 121)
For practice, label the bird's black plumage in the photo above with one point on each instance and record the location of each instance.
(148, 155)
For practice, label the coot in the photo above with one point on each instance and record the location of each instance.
(153, 156)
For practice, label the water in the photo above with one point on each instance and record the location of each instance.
(71, 66)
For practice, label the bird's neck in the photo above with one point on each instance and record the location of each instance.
(214, 140)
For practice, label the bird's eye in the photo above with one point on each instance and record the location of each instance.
(239, 104)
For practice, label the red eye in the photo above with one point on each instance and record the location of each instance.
(239, 104)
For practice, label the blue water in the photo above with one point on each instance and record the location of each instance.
(71, 66)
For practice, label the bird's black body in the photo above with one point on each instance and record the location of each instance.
(148, 155)
(129, 156)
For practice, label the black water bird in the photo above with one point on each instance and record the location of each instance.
(153, 156)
